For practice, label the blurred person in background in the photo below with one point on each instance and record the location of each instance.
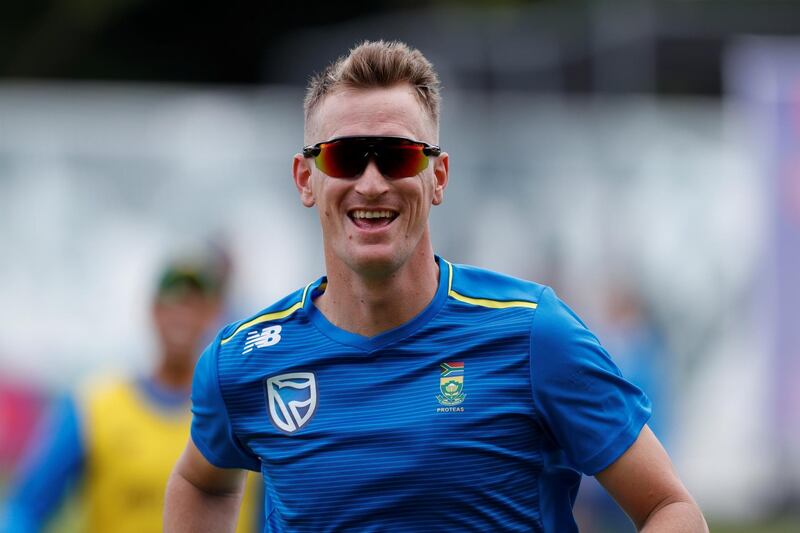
(401, 392)
(116, 439)
(629, 330)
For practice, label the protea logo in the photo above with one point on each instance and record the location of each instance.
(451, 384)
(292, 399)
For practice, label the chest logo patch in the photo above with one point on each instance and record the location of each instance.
(451, 384)
(292, 400)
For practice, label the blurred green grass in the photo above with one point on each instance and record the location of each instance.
(777, 525)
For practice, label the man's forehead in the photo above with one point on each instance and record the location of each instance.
(374, 111)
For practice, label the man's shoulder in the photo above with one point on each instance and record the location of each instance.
(487, 288)
(278, 312)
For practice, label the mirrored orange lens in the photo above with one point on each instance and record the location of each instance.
(342, 159)
(401, 160)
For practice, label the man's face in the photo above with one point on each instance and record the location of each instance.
(182, 322)
(371, 224)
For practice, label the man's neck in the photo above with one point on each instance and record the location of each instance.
(174, 377)
(370, 306)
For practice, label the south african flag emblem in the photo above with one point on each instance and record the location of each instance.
(451, 384)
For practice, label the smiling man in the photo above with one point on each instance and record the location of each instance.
(402, 392)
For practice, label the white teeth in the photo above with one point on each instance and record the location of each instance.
(361, 213)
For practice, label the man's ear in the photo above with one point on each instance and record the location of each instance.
(302, 179)
(441, 169)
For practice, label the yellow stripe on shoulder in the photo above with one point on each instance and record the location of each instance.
(275, 315)
(494, 304)
(484, 302)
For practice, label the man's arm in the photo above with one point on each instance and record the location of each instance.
(645, 485)
(200, 496)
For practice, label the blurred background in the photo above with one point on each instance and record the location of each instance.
(641, 157)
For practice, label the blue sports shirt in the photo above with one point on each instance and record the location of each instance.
(480, 413)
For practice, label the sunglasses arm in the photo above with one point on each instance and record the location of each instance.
(432, 150)
(311, 151)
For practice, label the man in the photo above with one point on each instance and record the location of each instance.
(120, 437)
(402, 392)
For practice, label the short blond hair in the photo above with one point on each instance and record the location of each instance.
(378, 64)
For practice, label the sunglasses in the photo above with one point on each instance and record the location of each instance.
(347, 157)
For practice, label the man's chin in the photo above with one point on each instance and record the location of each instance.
(374, 262)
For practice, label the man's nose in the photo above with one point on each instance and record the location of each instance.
(371, 183)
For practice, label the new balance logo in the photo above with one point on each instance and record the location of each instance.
(266, 337)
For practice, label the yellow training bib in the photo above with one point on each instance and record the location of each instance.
(131, 447)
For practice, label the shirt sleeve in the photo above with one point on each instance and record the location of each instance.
(53, 464)
(212, 431)
(591, 412)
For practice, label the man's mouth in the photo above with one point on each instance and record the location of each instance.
(372, 218)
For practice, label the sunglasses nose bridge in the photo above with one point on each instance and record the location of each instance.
(369, 153)
(372, 160)
(371, 183)
(367, 156)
